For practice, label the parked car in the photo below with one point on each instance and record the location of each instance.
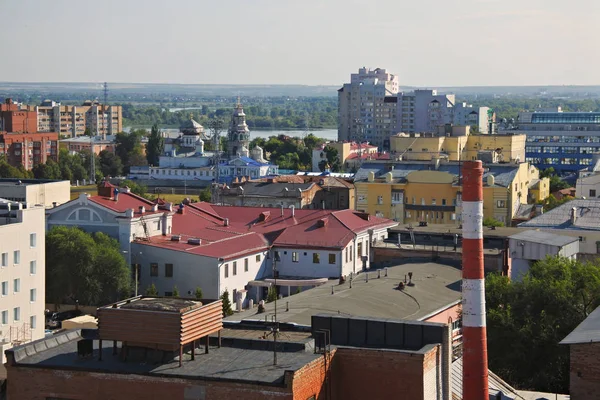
(54, 319)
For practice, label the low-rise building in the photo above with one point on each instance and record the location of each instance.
(85, 143)
(48, 193)
(325, 192)
(430, 192)
(457, 143)
(222, 247)
(22, 274)
(577, 218)
(584, 347)
(348, 153)
(530, 246)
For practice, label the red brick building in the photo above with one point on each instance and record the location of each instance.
(584, 344)
(20, 142)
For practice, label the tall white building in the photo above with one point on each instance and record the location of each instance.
(367, 107)
(22, 274)
(426, 110)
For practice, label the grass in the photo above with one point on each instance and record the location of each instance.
(93, 191)
(89, 189)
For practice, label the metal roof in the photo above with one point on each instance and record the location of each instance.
(587, 216)
(586, 332)
(551, 239)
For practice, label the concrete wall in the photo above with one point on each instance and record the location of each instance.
(42, 193)
(16, 237)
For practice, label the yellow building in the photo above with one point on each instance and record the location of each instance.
(456, 143)
(411, 192)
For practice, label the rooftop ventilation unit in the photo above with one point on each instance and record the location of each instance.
(175, 238)
(195, 241)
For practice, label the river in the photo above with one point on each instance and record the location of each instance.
(329, 134)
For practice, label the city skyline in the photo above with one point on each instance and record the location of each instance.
(466, 43)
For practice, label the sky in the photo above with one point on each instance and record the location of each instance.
(427, 43)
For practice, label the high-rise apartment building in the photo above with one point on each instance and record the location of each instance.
(426, 110)
(22, 274)
(99, 119)
(367, 107)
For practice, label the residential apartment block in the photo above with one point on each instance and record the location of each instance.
(367, 107)
(100, 119)
(426, 110)
(565, 141)
(416, 191)
(22, 274)
(44, 192)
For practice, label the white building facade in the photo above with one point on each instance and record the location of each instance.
(22, 274)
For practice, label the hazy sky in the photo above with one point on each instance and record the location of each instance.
(426, 42)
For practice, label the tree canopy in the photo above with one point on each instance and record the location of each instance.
(156, 145)
(110, 164)
(526, 320)
(556, 183)
(129, 148)
(83, 267)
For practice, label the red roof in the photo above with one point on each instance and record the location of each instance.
(125, 201)
(107, 184)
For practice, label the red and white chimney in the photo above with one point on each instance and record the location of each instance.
(475, 365)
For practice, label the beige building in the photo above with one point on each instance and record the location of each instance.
(22, 274)
(367, 107)
(456, 143)
(101, 120)
(349, 153)
(48, 193)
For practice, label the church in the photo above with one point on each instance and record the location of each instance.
(184, 158)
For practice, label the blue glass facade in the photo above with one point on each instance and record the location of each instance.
(565, 118)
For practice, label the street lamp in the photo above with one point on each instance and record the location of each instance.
(135, 267)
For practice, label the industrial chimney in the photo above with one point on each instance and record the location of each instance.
(475, 365)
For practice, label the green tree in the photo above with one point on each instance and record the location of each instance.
(551, 202)
(526, 320)
(110, 164)
(227, 310)
(151, 291)
(489, 222)
(198, 293)
(8, 171)
(556, 183)
(271, 294)
(156, 145)
(175, 291)
(206, 195)
(129, 148)
(49, 170)
(135, 188)
(84, 267)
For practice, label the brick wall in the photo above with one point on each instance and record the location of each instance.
(310, 380)
(585, 371)
(359, 373)
(38, 384)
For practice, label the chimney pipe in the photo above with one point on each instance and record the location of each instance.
(293, 211)
(475, 365)
(573, 215)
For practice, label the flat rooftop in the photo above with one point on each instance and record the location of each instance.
(551, 239)
(227, 363)
(499, 232)
(436, 286)
(163, 304)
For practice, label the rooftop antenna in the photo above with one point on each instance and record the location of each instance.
(216, 126)
(274, 322)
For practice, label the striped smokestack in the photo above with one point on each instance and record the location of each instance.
(475, 365)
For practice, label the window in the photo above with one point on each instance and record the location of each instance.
(169, 270)
(351, 252)
(379, 199)
(32, 295)
(16, 256)
(226, 271)
(331, 258)
(347, 254)
(17, 314)
(32, 240)
(359, 250)
(258, 258)
(4, 317)
(433, 202)
(168, 294)
(316, 258)
(245, 265)
(33, 267)
(5, 288)
(4, 259)
(234, 268)
(422, 201)
(33, 322)
(443, 202)
(153, 269)
(592, 192)
(16, 285)
(500, 204)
